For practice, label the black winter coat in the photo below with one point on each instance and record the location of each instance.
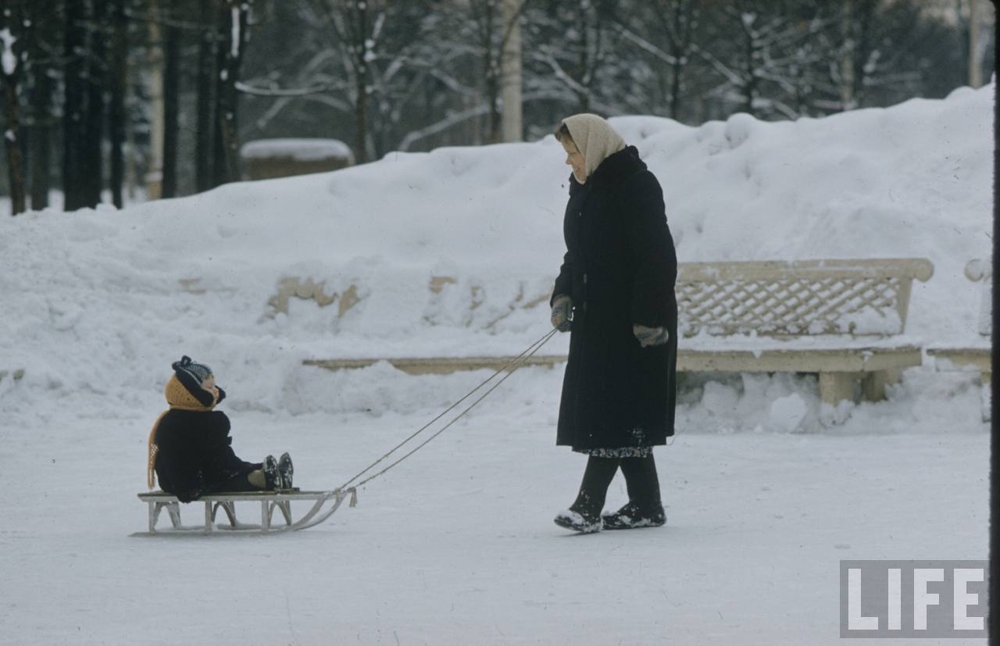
(195, 455)
(619, 269)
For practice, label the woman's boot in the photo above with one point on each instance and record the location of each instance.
(584, 515)
(644, 508)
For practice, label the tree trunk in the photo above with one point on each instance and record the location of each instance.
(171, 109)
(14, 21)
(512, 109)
(73, 105)
(219, 171)
(40, 146)
(118, 81)
(234, 27)
(361, 83)
(847, 62)
(42, 112)
(203, 150)
(750, 87)
(975, 60)
(684, 18)
(93, 155)
(583, 97)
(154, 170)
(15, 163)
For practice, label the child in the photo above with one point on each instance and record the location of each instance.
(189, 446)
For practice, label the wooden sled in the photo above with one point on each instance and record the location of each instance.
(325, 503)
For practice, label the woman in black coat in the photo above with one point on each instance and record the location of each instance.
(615, 295)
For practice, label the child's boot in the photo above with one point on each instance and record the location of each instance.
(285, 470)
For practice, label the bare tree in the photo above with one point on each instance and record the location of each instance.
(497, 47)
(357, 25)
(171, 101)
(41, 68)
(205, 98)
(664, 31)
(14, 20)
(763, 54)
(513, 127)
(74, 104)
(95, 113)
(117, 83)
(234, 32)
(577, 61)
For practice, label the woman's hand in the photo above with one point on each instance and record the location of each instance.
(650, 336)
(562, 309)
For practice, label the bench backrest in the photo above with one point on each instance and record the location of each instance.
(808, 297)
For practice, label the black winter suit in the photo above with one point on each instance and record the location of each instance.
(619, 269)
(195, 456)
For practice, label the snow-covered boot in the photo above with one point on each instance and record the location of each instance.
(584, 515)
(272, 477)
(633, 516)
(285, 470)
(578, 522)
(644, 508)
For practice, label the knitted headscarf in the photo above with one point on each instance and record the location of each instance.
(594, 138)
(183, 392)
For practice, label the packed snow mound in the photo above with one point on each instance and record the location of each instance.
(453, 252)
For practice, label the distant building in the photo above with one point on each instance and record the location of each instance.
(270, 158)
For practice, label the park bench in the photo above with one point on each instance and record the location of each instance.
(324, 504)
(975, 355)
(840, 319)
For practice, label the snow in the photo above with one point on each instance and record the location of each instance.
(8, 59)
(298, 149)
(453, 253)
(234, 36)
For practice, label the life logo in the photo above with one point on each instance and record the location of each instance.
(939, 599)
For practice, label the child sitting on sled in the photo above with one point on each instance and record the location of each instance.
(189, 446)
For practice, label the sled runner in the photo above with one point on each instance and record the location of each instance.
(325, 503)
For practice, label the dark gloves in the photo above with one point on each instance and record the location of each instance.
(650, 336)
(562, 309)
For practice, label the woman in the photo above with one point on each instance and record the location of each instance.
(615, 294)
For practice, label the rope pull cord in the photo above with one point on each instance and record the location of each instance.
(510, 367)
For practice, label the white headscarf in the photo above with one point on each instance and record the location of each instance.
(594, 138)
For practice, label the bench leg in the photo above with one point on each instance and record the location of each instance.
(209, 517)
(265, 516)
(873, 383)
(835, 387)
(154, 513)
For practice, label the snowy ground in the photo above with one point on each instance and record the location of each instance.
(456, 545)
(453, 253)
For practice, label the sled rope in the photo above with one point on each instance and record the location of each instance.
(513, 365)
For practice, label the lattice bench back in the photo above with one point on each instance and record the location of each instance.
(811, 297)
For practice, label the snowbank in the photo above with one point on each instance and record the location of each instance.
(453, 252)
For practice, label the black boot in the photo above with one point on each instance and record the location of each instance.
(584, 515)
(286, 471)
(644, 508)
(272, 478)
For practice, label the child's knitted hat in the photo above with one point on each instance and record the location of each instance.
(186, 383)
